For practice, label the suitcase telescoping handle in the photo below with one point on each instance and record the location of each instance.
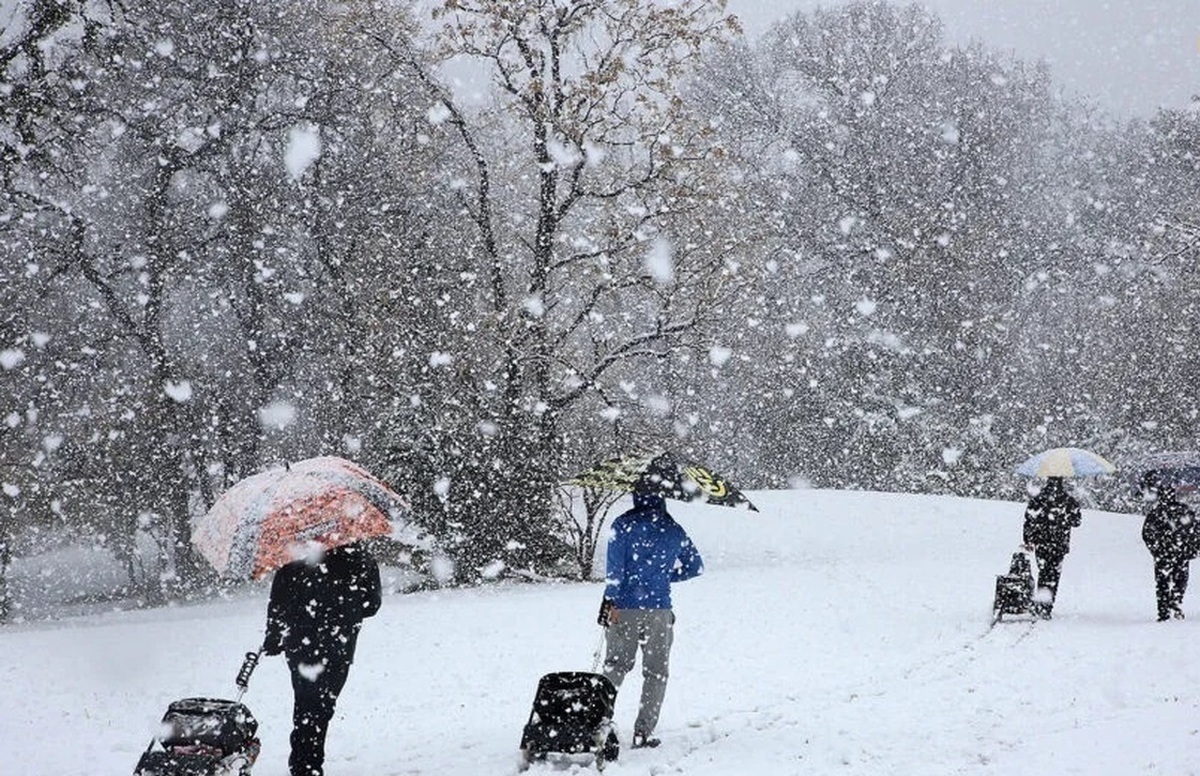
(598, 654)
(243, 674)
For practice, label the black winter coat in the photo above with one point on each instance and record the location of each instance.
(1049, 518)
(318, 608)
(1170, 531)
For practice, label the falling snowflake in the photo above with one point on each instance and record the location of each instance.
(442, 568)
(658, 405)
(277, 415)
(492, 570)
(303, 148)
(310, 671)
(11, 359)
(180, 392)
(593, 154)
(719, 356)
(660, 261)
(437, 113)
(534, 306)
(564, 155)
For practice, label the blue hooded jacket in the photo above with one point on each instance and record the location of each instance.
(647, 551)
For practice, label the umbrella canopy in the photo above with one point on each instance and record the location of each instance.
(1178, 468)
(664, 474)
(1065, 462)
(281, 515)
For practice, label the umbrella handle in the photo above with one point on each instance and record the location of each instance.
(243, 674)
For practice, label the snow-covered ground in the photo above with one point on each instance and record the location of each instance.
(833, 633)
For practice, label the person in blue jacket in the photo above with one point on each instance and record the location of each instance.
(647, 551)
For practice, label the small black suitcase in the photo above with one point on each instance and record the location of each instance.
(572, 715)
(205, 736)
(1014, 590)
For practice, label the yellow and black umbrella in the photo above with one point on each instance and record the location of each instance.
(664, 474)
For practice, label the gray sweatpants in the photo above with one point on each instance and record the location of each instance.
(652, 630)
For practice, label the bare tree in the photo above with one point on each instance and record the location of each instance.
(890, 165)
(576, 175)
(178, 249)
(583, 531)
(42, 118)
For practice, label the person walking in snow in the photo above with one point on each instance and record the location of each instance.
(1049, 518)
(314, 614)
(1170, 534)
(647, 551)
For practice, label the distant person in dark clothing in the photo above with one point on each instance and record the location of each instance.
(316, 609)
(647, 551)
(1049, 518)
(1171, 536)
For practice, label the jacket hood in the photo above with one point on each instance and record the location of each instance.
(648, 501)
(1154, 488)
(1054, 485)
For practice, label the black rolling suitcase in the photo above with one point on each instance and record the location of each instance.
(205, 736)
(572, 715)
(1014, 590)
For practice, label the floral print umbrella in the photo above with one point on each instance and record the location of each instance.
(269, 519)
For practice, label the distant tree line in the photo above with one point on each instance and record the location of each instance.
(478, 251)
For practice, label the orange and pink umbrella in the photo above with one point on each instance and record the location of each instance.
(275, 517)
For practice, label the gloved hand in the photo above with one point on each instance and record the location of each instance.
(272, 646)
(608, 613)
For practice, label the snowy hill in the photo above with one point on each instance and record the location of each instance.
(834, 632)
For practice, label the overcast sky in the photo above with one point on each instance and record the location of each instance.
(1131, 55)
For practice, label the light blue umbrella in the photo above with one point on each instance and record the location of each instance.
(1065, 462)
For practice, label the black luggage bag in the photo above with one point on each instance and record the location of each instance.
(1014, 590)
(205, 736)
(572, 715)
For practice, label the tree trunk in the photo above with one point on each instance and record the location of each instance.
(5, 561)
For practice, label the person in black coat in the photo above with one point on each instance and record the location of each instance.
(314, 614)
(1171, 536)
(1049, 518)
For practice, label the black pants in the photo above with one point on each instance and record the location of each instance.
(1170, 583)
(317, 680)
(1049, 570)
